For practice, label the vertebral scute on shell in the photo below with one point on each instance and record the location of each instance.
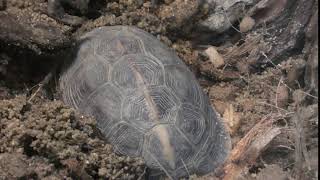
(146, 101)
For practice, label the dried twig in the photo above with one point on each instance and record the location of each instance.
(301, 152)
(234, 54)
(274, 106)
(250, 147)
(40, 85)
(277, 94)
(143, 174)
(269, 60)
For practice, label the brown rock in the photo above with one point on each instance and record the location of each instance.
(246, 24)
(215, 58)
(282, 96)
(296, 72)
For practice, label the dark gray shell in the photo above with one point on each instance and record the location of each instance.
(146, 101)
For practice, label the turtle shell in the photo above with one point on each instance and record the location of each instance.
(146, 101)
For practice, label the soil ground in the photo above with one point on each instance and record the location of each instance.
(41, 138)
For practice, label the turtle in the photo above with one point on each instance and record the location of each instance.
(146, 101)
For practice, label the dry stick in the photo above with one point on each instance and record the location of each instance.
(304, 149)
(142, 175)
(242, 49)
(286, 147)
(40, 85)
(277, 91)
(269, 60)
(301, 151)
(298, 146)
(274, 106)
(250, 147)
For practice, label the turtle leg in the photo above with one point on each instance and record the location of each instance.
(56, 10)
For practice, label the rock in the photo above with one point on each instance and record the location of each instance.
(282, 96)
(215, 58)
(224, 14)
(296, 72)
(246, 24)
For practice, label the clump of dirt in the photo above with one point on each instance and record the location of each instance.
(50, 140)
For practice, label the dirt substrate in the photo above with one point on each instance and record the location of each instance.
(41, 138)
(47, 140)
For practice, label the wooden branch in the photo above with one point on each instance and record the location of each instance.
(248, 149)
(246, 154)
